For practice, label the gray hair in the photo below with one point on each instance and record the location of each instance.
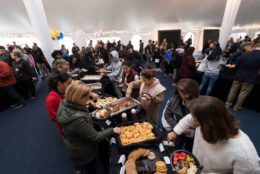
(59, 63)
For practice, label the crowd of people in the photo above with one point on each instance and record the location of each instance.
(19, 70)
(193, 121)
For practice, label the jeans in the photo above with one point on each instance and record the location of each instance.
(210, 80)
(14, 95)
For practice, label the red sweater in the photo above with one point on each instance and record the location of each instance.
(52, 103)
(188, 66)
(7, 77)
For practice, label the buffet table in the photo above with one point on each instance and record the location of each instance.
(118, 155)
(113, 149)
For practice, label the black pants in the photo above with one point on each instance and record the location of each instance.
(183, 142)
(26, 88)
(90, 168)
(14, 95)
(167, 68)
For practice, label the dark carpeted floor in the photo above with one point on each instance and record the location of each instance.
(30, 143)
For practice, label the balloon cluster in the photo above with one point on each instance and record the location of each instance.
(56, 35)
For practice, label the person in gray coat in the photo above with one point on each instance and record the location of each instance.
(177, 107)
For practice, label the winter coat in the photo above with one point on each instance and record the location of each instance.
(81, 137)
(174, 110)
(52, 102)
(7, 77)
(187, 68)
(22, 70)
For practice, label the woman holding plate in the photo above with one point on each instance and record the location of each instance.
(151, 92)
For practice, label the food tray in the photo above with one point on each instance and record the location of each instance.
(146, 143)
(95, 115)
(199, 167)
(121, 108)
(95, 86)
(102, 70)
(94, 104)
(91, 78)
(146, 165)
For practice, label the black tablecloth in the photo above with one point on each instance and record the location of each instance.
(115, 150)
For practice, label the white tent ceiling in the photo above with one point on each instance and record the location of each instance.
(106, 15)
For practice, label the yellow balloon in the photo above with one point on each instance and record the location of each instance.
(54, 33)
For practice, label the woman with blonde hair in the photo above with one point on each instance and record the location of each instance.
(81, 137)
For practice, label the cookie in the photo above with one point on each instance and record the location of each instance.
(151, 156)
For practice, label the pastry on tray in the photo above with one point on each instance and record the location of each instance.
(104, 101)
(102, 114)
(138, 132)
(103, 70)
(132, 157)
(121, 105)
(160, 167)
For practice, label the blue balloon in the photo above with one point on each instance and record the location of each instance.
(61, 36)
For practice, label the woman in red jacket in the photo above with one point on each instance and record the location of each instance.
(8, 81)
(188, 64)
(58, 86)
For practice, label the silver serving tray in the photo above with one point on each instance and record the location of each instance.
(95, 86)
(136, 103)
(91, 77)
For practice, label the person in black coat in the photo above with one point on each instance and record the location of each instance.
(24, 76)
(141, 47)
(88, 62)
(248, 66)
(75, 49)
(136, 59)
(104, 53)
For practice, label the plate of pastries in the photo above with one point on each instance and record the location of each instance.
(99, 103)
(131, 165)
(101, 114)
(136, 133)
(103, 70)
(122, 105)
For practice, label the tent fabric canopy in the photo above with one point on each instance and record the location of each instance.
(108, 15)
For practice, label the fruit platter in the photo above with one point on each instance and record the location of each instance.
(183, 162)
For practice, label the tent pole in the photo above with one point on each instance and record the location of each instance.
(229, 18)
(39, 22)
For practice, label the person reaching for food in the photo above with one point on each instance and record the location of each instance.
(177, 108)
(219, 145)
(81, 137)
